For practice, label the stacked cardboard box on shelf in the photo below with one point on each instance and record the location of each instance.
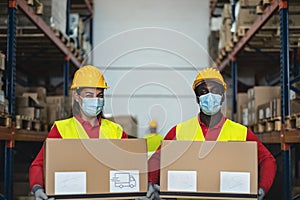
(58, 107)
(31, 107)
(54, 14)
(225, 31)
(76, 30)
(247, 15)
(242, 99)
(2, 95)
(2, 61)
(269, 115)
(276, 107)
(28, 106)
(248, 3)
(264, 111)
(37, 95)
(245, 113)
(213, 42)
(259, 95)
(34, 103)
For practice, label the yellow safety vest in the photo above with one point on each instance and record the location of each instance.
(72, 129)
(153, 142)
(191, 130)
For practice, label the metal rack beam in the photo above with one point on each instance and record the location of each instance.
(10, 89)
(234, 86)
(285, 97)
(268, 12)
(88, 5)
(39, 22)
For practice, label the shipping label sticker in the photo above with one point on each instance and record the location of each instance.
(235, 182)
(70, 183)
(124, 181)
(185, 181)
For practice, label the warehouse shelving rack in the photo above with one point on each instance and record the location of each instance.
(286, 137)
(10, 134)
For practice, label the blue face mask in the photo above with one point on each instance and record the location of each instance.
(210, 103)
(92, 106)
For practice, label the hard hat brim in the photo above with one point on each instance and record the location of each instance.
(74, 87)
(196, 84)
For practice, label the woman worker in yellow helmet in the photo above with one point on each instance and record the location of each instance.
(211, 125)
(153, 138)
(88, 99)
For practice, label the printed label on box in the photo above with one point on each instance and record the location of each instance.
(261, 113)
(268, 112)
(235, 182)
(70, 182)
(182, 181)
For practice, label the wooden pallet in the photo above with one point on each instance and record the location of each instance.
(261, 6)
(254, 128)
(30, 2)
(5, 120)
(71, 46)
(235, 37)
(268, 125)
(241, 32)
(290, 122)
(62, 36)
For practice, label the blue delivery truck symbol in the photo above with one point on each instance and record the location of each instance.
(124, 179)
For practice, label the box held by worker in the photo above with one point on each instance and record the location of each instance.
(90, 168)
(218, 170)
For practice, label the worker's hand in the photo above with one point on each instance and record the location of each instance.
(152, 193)
(261, 194)
(39, 193)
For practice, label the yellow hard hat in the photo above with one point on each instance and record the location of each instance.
(209, 74)
(88, 76)
(153, 124)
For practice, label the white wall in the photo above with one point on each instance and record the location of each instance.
(150, 53)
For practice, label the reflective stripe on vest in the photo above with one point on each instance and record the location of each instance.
(191, 130)
(72, 129)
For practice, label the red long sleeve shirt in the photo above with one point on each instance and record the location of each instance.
(266, 162)
(36, 170)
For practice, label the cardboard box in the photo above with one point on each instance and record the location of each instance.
(92, 168)
(259, 95)
(58, 107)
(226, 11)
(218, 170)
(29, 112)
(128, 123)
(54, 15)
(241, 100)
(248, 3)
(2, 61)
(245, 112)
(247, 16)
(264, 111)
(276, 107)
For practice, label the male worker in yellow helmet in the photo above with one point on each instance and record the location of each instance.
(88, 99)
(211, 125)
(153, 139)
